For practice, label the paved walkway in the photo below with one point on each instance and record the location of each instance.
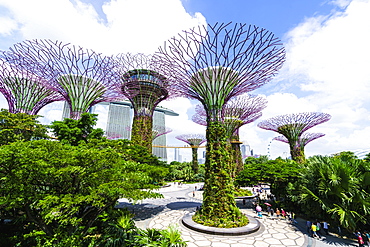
(179, 200)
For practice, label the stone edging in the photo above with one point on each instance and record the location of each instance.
(252, 226)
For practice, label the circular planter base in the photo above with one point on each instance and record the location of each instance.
(252, 226)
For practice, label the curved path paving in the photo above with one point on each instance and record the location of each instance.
(179, 200)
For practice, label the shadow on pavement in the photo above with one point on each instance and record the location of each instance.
(143, 211)
(180, 205)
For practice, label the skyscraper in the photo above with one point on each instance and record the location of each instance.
(120, 121)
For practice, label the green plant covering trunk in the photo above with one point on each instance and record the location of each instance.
(238, 159)
(219, 207)
(297, 153)
(142, 131)
(194, 150)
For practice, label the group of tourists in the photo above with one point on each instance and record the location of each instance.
(278, 213)
(315, 229)
(363, 238)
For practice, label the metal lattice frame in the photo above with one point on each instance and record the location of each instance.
(292, 127)
(242, 110)
(24, 91)
(194, 140)
(294, 124)
(82, 76)
(140, 83)
(145, 88)
(239, 111)
(159, 130)
(215, 63)
(304, 139)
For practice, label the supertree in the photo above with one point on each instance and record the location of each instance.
(292, 127)
(238, 111)
(159, 130)
(145, 88)
(82, 76)
(212, 64)
(194, 140)
(24, 91)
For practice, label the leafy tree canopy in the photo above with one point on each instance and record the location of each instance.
(20, 127)
(60, 190)
(75, 131)
(337, 188)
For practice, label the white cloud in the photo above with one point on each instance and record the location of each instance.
(133, 25)
(328, 59)
(7, 25)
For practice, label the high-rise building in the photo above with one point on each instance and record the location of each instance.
(119, 123)
(178, 156)
(245, 149)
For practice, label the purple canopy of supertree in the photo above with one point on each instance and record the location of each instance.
(82, 76)
(24, 91)
(159, 130)
(295, 123)
(239, 111)
(304, 139)
(215, 63)
(292, 127)
(141, 83)
(194, 140)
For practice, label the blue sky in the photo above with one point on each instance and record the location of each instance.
(327, 44)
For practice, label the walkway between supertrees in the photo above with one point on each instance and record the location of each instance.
(212, 64)
(194, 140)
(24, 91)
(239, 111)
(293, 127)
(82, 76)
(145, 88)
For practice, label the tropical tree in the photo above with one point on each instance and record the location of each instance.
(278, 173)
(335, 187)
(74, 131)
(20, 127)
(58, 192)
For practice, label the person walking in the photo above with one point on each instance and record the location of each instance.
(366, 238)
(360, 240)
(318, 228)
(283, 213)
(325, 226)
(277, 213)
(314, 230)
(308, 227)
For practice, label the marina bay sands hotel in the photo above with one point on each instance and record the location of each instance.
(119, 123)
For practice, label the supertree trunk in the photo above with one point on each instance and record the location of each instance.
(213, 64)
(195, 165)
(237, 156)
(218, 203)
(142, 131)
(297, 154)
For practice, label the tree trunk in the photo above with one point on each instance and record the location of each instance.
(218, 199)
(141, 133)
(195, 164)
